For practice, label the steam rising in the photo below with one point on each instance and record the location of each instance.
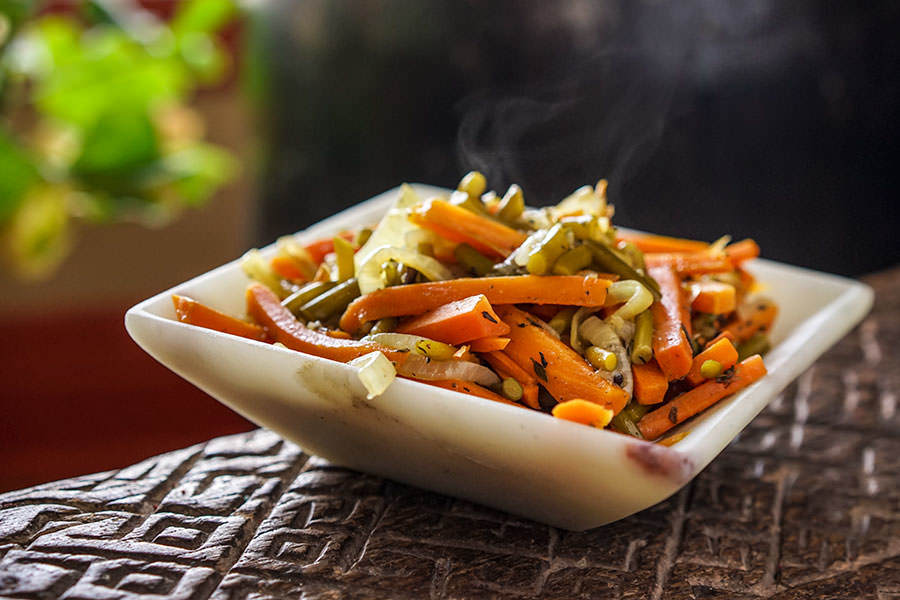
(601, 109)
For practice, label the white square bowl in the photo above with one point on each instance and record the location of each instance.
(521, 461)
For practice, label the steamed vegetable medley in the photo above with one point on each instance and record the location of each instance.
(549, 309)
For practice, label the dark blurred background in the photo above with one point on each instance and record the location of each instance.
(775, 120)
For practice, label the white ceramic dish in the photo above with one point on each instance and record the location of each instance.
(521, 461)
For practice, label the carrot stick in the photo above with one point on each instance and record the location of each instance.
(265, 308)
(741, 251)
(688, 404)
(417, 298)
(561, 370)
(713, 297)
(759, 320)
(467, 387)
(660, 243)
(489, 344)
(458, 322)
(685, 264)
(725, 335)
(287, 268)
(722, 351)
(650, 384)
(584, 412)
(671, 324)
(193, 313)
(506, 367)
(460, 225)
(544, 311)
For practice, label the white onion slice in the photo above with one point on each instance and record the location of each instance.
(419, 367)
(375, 372)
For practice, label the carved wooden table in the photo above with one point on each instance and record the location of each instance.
(805, 504)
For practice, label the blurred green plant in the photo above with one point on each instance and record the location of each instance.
(95, 124)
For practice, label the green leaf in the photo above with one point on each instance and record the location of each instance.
(195, 173)
(202, 16)
(16, 11)
(119, 141)
(17, 174)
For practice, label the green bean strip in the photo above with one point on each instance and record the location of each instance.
(636, 410)
(554, 244)
(562, 320)
(610, 261)
(308, 292)
(601, 359)
(512, 205)
(473, 260)
(623, 423)
(511, 389)
(634, 254)
(572, 261)
(343, 251)
(473, 183)
(758, 344)
(642, 344)
(331, 302)
(390, 273)
(386, 325)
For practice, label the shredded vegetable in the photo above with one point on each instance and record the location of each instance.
(485, 296)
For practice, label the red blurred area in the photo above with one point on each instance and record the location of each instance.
(80, 397)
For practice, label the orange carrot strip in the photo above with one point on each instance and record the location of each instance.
(544, 311)
(489, 344)
(561, 370)
(691, 264)
(584, 412)
(417, 298)
(725, 335)
(741, 251)
(460, 225)
(193, 313)
(722, 351)
(759, 321)
(688, 404)
(467, 387)
(713, 297)
(338, 334)
(265, 308)
(286, 268)
(458, 322)
(650, 385)
(660, 243)
(671, 324)
(506, 367)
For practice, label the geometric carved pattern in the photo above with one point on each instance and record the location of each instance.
(804, 504)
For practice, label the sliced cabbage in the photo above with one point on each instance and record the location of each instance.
(574, 329)
(370, 271)
(414, 343)
(583, 201)
(390, 232)
(420, 367)
(602, 335)
(375, 372)
(257, 268)
(636, 297)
